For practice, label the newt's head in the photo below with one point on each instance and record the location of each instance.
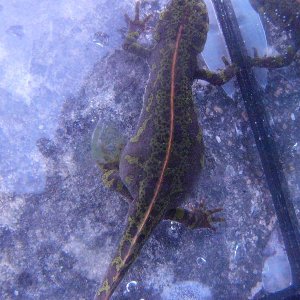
(192, 14)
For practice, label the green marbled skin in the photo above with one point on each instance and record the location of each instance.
(284, 14)
(142, 159)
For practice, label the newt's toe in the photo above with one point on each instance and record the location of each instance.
(137, 25)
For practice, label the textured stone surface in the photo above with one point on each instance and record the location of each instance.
(45, 55)
(57, 243)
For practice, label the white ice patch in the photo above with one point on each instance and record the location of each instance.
(276, 271)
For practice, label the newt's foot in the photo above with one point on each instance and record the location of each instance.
(137, 25)
(135, 28)
(195, 218)
(204, 218)
(220, 77)
(230, 69)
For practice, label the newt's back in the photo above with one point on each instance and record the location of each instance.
(144, 155)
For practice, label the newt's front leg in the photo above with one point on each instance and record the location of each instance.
(271, 62)
(135, 28)
(220, 77)
(196, 218)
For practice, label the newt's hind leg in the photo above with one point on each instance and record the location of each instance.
(271, 62)
(111, 179)
(107, 145)
(135, 28)
(196, 218)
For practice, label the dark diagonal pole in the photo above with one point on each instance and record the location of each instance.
(267, 148)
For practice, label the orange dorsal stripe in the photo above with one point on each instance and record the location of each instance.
(170, 141)
(169, 148)
(171, 137)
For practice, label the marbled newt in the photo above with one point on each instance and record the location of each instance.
(162, 159)
(284, 14)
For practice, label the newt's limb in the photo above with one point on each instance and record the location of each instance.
(270, 62)
(196, 218)
(107, 145)
(217, 78)
(135, 28)
(111, 179)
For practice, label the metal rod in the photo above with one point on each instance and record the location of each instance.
(253, 100)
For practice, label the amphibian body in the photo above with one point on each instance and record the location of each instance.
(162, 159)
(286, 15)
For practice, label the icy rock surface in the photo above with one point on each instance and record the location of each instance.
(56, 244)
(187, 290)
(46, 49)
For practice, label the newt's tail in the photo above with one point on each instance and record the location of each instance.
(111, 281)
(128, 250)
